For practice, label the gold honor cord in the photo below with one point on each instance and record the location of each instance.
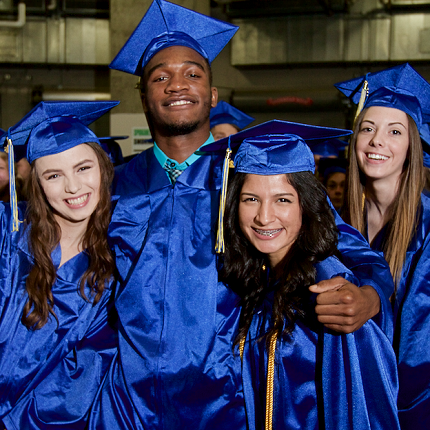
(270, 382)
(270, 378)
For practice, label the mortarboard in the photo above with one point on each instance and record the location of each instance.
(271, 148)
(112, 148)
(166, 24)
(225, 113)
(400, 87)
(51, 128)
(329, 147)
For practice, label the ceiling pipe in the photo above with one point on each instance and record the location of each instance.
(20, 22)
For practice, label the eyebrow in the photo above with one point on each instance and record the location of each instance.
(275, 195)
(187, 62)
(49, 171)
(389, 124)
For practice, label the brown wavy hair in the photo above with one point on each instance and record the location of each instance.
(242, 264)
(404, 209)
(44, 237)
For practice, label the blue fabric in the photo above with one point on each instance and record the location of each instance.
(175, 368)
(166, 24)
(412, 326)
(321, 380)
(53, 127)
(224, 113)
(34, 392)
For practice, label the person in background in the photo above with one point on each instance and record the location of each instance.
(280, 238)
(330, 148)
(333, 174)
(112, 148)
(175, 367)
(57, 270)
(226, 120)
(385, 201)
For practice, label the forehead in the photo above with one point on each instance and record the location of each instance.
(268, 183)
(175, 56)
(386, 114)
(68, 158)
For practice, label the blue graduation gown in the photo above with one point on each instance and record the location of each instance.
(175, 368)
(412, 326)
(30, 392)
(321, 379)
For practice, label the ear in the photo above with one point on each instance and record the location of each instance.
(214, 96)
(143, 100)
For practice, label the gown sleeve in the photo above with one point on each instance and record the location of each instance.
(60, 396)
(369, 267)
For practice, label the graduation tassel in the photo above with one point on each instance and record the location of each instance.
(219, 246)
(363, 96)
(12, 186)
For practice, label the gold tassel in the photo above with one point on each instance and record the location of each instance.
(270, 382)
(242, 347)
(219, 247)
(12, 186)
(363, 97)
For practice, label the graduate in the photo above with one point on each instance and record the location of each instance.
(385, 201)
(175, 366)
(280, 238)
(56, 269)
(226, 120)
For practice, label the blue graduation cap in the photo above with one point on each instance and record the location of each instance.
(51, 128)
(166, 24)
(400, 87)
(329, 147)
(272, 148)
(224, 113)
(112, 148)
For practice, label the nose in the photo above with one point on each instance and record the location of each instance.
(265, 214)
(72, 185)
(377, 139)
(176, 83)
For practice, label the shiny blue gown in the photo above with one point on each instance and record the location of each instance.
(412, 326)
(175, 368)
(79, 347)
(321, 379)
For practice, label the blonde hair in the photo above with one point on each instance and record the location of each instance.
(403, 210)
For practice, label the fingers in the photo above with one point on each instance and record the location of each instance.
(328, 285)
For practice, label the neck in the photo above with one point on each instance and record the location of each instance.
(380, 195)
(71, 238)
(179, 148)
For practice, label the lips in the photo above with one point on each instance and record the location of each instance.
(179, 102)
(378, 157)
(268, 233)
(78, 201)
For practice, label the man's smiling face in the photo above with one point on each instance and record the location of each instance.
(178, 96)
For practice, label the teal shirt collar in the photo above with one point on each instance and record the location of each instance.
(162, 157)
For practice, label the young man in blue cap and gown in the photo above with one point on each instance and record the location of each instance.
(226, 120)
(175, 367)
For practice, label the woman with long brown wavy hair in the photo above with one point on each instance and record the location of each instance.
(280, 239)
(56, 266)
(385, 201)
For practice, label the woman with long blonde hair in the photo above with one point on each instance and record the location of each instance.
(385, 202)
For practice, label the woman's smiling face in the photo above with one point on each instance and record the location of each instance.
(382, 143)
(270, 216)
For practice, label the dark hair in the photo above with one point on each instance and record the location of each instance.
(45, 235)
(242, 268)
